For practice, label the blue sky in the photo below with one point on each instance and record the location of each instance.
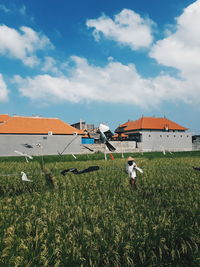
(105, 61)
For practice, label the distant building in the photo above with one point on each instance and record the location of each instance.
(82, 125)
(90, 132)
(156, 134)
(120, 137)
(25, 133)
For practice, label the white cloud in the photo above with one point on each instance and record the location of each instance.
(127, 28)
(3, 89)
(114, 83)
(49, 65)
(181, 49)
(119, 83)
(23, 44)
(86, 83)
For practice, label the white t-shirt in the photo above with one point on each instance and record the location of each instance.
(131, 170)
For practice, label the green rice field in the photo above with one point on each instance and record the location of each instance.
(96, 219)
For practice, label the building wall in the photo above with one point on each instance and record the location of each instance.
(172, 141)
(50, 144)
(124, 146)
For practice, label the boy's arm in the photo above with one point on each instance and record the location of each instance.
(138, 169)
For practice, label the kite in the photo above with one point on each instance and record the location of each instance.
(196, 168)
(24, 154)
(75, 171)
(24, 177)
(163, 150)
(27, 145)
(104, 128)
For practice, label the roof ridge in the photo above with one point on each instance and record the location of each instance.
(36, 125)
(34, 117)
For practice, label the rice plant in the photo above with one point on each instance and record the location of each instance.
(96, 219)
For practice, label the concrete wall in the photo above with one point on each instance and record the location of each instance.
(51, 144)
(124, 146)
(151, 141)
(172, 141)
(121, 147)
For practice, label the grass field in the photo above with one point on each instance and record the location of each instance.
(96, 219)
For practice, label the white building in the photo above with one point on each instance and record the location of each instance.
(157, 134)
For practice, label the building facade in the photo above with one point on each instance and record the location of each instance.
(157, 134)
(37, 136)
(82, 125)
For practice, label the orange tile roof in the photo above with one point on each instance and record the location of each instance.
(4, 117)
(123, 135)
(152, 123)
(85, 136)
(34, 125)
(119, 135)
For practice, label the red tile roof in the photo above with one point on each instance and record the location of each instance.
(34, 125)
(152, 123)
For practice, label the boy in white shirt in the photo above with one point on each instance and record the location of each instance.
(131, 169)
